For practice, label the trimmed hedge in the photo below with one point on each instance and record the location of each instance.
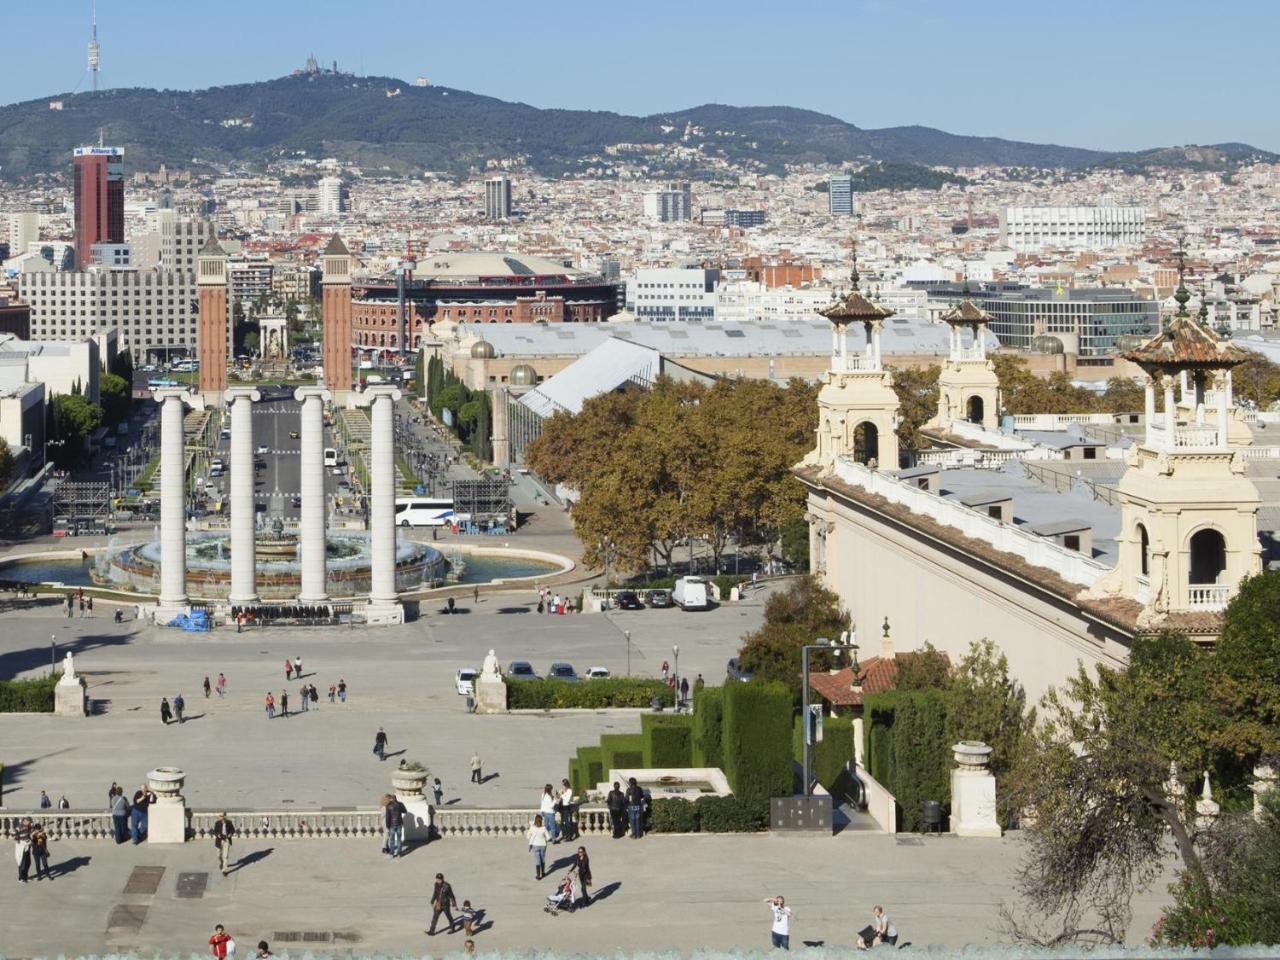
(828, 755)
(707, 814)
(708, 723)
(757, 742)
(591, 767)
(621, 751)
(586, 694)
(879, 710)
(921, 755)
(575, 776)
(27, 696)
(667, 739)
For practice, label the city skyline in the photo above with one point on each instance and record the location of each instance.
(994, 69)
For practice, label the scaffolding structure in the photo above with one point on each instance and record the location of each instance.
(80, 507)
(485, 502)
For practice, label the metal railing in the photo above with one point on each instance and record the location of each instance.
(1210, 596)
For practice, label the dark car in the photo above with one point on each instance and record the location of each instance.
(521, 670)
(628, 600)
(563, 671)
(295, 500)
(659, 598)
(736, 672)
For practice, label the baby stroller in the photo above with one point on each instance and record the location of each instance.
(565, 895)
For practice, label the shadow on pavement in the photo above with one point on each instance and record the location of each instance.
(19, 661)
(251, 858)
(608, 890)
(68, 866)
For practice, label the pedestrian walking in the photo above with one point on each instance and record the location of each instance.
(342, 690)
(468, 915)
(393, 818)
(698, 685)
(239, 622)
(304, 695)
(684, 691)
(297, 667)
(220, 684)
(63, 803)
(45, 802)
(166, 712)
(208, 688)
(284, 703)
(221, 944)
(271, 705)
(40, 852)
(442, 899)
(583, 864)
(616, 802)
(437, 790)
(315, 698)
(82, 608)
(143, 797)
(566, 807)
(475, 595)
(22, 849)
(538, 838)
(475, 768)
(288, 669)
(89, 604)
(119, 814)
(780, 933)
(333, 690)
(547, 807)
(380, 744)
(223, 832)
(635, 808)
(179, 705)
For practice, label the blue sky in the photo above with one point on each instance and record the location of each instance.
(1120, 74)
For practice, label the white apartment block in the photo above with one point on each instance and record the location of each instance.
(24, 232)
(331, 195)
(154, 310)
(1026, 229)
(672, 293)
(672, 203)
(170, 243)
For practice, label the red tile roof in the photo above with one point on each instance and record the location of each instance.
(876, 675)
(1186, 343)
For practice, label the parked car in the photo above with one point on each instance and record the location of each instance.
(521, 670)
(628, 600)
(295, 501)
(465, 681)
(659, 598)
(563, 671)
(692, 593)
(597, 673)
(294, 435)
(263, 448)
(736, 672)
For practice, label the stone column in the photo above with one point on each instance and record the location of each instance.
(173, 503)
(243, 511)
(973, 792)
(1170, 414)
(384, 601)
(1223, 401)
(311, 546)
(1149, 406)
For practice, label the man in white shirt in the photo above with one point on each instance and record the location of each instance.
(886, 932)
(781, 932)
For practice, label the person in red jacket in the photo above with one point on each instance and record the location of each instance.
(218, 943)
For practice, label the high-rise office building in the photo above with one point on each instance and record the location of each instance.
(497, 197)
(674, 202)
(99, 199)
(840, 195)
(332, 195)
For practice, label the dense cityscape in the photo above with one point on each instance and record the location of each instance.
(881, 525)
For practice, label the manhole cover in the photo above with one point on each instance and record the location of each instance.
(316, 936)
(191, 886)
(288, 936)
(126, 918)
(144, 880)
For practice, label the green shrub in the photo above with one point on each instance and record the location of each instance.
(590, 766)
(667, 739)
(834, 751)
(587, 694)
(671, 815)
(575, 776)
(731, 814)
(726, 582)
(708, 721)
(621, 751)
(27, 696)
(922, 758)
(757, 742)
(879, 709)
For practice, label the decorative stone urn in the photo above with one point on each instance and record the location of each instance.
(973, 791)
(167, 817)
(410, 787)
(409, 783)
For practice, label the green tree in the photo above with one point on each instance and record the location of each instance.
(6, 464)
(984, 703)
(794, 537)
(925, 669)
(917, 390)
(116, 397)
(794, 617)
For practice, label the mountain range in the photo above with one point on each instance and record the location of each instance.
(386, 124)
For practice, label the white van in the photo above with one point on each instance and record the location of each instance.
(692, 593)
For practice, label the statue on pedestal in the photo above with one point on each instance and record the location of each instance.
(489, 671)
(69, 669)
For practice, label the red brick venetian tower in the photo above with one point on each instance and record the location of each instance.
(336, 317)
(211, 321)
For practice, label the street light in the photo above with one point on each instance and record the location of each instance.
(822, 643)
(627, 634)
(675, 650)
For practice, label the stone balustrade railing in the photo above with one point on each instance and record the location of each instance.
(60, 824)
(462, 822)
(293, 824)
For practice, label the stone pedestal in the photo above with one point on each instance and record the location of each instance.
(69, 698)
(410, 788)
(491, 695)
(167, 817)
(973, 792)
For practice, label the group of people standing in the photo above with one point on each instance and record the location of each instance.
(31, 845)
(627, 803)
(129, 819)
(549, 602)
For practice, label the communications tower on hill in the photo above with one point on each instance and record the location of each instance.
(95, 58)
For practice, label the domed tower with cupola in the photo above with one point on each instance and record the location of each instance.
(857, 406)
(968, 388)
(1189, 531)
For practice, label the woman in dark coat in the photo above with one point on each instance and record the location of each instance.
(166, 714)
(583, 863)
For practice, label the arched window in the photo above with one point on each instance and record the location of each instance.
(1208, 556)
(1144, 551)
(975, 410)
(866, 443)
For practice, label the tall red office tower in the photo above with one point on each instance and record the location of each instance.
(99, 199)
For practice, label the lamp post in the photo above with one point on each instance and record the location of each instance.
(627, 634)
(822, 644)
(53, 653)
(675, 652)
